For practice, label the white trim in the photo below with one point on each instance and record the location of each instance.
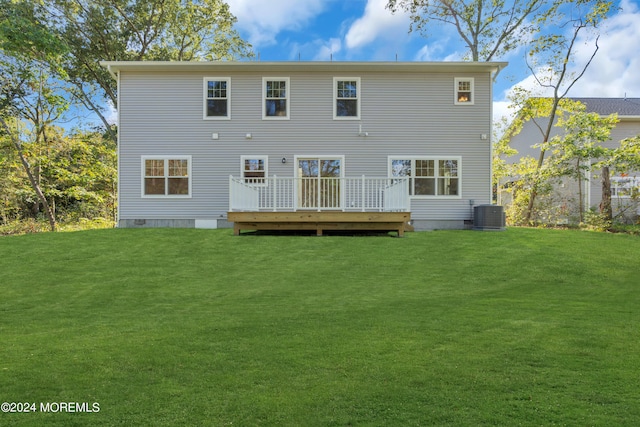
(587, 178)
(119, 160)
(334, 67)
(287, 97)
(266, 168)
(457, 80)
(166, 158)
(358, 97)
(390, 159)
(205, 97)
(491, 150)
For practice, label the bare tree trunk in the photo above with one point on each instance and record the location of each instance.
(536, 179)
(32, 178)
(605, 205)
(86, 100)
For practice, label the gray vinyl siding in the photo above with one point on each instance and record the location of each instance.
(408, 114)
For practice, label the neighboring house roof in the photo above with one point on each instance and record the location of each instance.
(306, 66)
(624, 107)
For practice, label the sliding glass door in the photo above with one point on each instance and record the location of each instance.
(319, 183)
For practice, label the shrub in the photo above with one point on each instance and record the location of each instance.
(25, 226)
(594, 220)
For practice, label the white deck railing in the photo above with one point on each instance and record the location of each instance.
(343, 194)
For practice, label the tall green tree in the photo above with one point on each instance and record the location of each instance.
(29, 53)
(581, 144)
(489, 28)
(534, 111)
(551, 62)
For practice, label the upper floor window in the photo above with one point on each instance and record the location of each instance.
(254, 169)
(217, 100)
(166, 176)
(429, 176)
(464, 91)
(346, 98)
(275, 98)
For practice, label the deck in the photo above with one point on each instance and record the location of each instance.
(320, 221)
(319, 204)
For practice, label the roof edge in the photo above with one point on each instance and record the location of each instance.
(115, 66)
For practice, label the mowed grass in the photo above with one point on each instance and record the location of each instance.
(199, 327)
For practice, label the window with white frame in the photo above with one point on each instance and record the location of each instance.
(166, 176)
(625, 186)
(346, 98)
(464, 91)
(275, 98)
(437, 177)
(217, 99)
(254, 169)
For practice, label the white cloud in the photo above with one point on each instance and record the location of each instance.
(613, 72)
(264, 19)
(430, 52)
(501, 109)
(328, 49)
(377, 22)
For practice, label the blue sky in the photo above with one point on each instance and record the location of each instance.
(364, 30)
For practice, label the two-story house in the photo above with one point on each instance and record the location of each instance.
(202, 141)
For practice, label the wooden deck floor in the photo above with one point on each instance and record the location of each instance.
(321, 221)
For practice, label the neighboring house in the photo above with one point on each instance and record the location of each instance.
(565, 194)
(198, 140)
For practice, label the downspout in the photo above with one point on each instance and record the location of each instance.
(116, 76)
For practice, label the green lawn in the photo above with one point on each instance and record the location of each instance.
(198, 327)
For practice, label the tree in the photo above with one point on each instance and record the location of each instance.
(489, 28)
(27, 51)
(550, 59)
(536, 111)
(79, 175)
(580, 145)
(76, 174)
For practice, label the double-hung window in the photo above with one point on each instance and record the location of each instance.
(217, 98)
(435, 177)
(464, 91)
(254, 169)
(346, 98)
(275, 98)
(166, 176)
